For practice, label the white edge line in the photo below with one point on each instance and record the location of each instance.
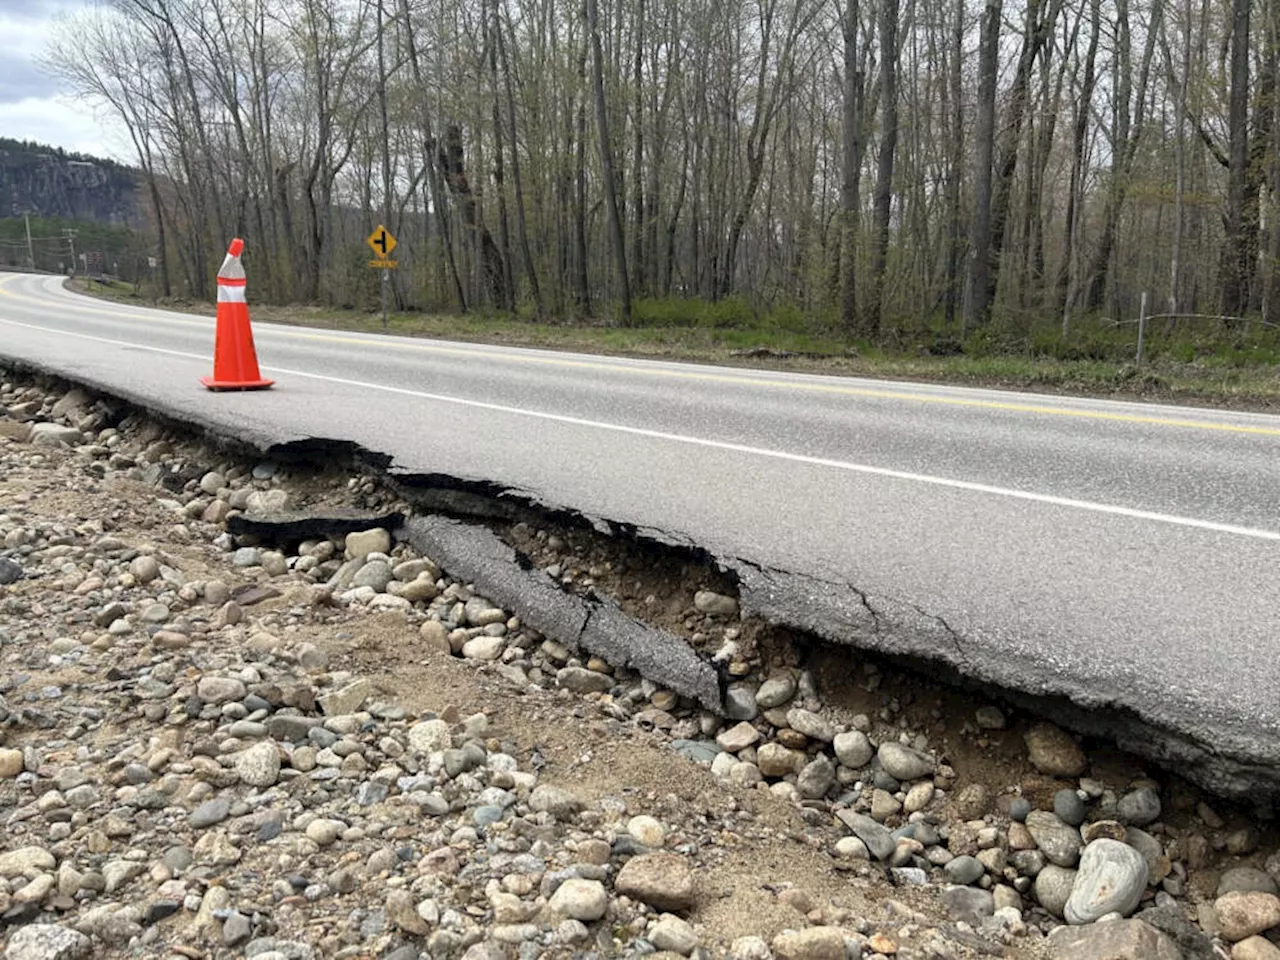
(966, 485)
(927, 391)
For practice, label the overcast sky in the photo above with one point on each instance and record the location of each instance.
(32, 105)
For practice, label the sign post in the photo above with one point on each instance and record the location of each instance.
(381, 242)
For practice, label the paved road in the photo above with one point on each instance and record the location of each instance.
(1124, 555)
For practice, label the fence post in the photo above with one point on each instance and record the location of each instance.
(1142, 324)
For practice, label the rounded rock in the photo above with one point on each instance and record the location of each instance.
(964, 870)
(1069, 807)
(738, 737)
(673, 935)
(246, 557)
(1243, 914)
(814, 943)
(582, 680)
(776, 691)
(1255, 948)
(1059, 842)
(647, 830)
(577, 899)
(750, 948)
(903, 763)
(360, 545)
(1053, 886)
(969, 904)
(212, 482)
(852, 848)
(47, 941)
(715, 604)
(484, 648)
(220, 689)
(558, 802)
(740, 702)
(919, 796)
(430, 736)
(1139, 807)
(990, 718)
(810, 724)
(662, 880)
(775, 760)
(973, 799)
(1111, 879)
(144, 569)
(853, 749)
(259, 766)
(375, 574)
(274, 563)
(817, 777)
(1244, 879)
(324, 832)
(1053, 752)
(11, 763)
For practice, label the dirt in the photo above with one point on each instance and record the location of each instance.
(760, 844)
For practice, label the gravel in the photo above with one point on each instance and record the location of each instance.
(200, 749)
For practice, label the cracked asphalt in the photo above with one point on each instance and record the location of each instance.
(1124, 555)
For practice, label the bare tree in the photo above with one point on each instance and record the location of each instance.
(563, 157)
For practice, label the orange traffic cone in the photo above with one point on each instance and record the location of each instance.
(235, 363)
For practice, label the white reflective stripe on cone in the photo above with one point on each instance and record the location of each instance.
(231, 269)
(230, 294)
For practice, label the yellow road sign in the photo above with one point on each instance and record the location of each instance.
(382, 242)
(384, 264)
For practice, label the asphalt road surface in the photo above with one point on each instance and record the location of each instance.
(1124, 555)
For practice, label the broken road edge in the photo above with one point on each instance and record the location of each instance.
(1214, 754)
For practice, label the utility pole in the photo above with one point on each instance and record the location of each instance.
(71, 239)
(31, 250)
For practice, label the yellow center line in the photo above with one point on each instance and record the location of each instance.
(552, 360)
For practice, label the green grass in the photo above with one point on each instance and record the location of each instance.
(1198, 363)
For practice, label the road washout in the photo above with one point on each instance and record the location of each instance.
(1221, 757)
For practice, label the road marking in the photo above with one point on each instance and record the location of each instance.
(294, 333)
(860, 468)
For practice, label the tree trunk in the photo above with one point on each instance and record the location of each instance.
(851, 154)
(1271, 302)
(1074, 188)
(1235, 248)
(1256, 172)
(455, 173)
(640, 278)
(522, 226)
(499, 168)
(977, 304)
(1037, 33)
(606, 161)
(884, 167)
(439, 199)
(1127, 132)
(1180, 178)
(955, 160)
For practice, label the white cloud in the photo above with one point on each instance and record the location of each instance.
(56, 120)
(33, 105)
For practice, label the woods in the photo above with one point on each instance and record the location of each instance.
(1023, 164)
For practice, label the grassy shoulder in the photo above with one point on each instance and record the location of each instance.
(1192, 364)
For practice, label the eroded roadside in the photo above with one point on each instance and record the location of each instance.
(331, 744)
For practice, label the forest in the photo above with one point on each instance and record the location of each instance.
(883, 168)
